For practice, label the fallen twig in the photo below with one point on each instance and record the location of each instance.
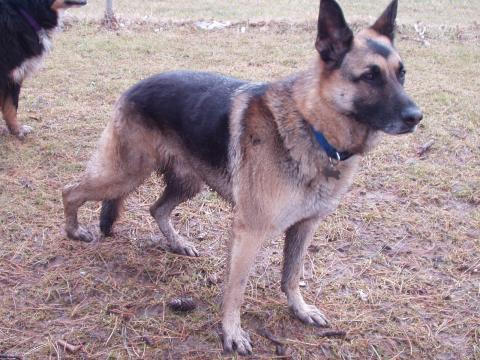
(332, 333)
(125, 315)
(268, 335)
(425, 147)
(280, 344)
(69, 347)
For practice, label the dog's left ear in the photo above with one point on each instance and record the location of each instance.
(385, 25)
(334, 37)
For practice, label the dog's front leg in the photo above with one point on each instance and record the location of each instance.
(297, 240)
(9, 111)
(244, 247)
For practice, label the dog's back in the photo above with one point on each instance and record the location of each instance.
(195, 106)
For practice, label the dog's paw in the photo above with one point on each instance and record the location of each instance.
(81, 234)
(24, 131)
(184, 247)
(237, 340)
(309, 314)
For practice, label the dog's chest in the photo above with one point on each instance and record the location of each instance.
(325, 191)
(316, 198)
(29, 66)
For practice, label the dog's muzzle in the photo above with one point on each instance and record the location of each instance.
(411, 116)
(76, 2)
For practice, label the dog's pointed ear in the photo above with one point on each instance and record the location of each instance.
(385, 24)
(334, 37)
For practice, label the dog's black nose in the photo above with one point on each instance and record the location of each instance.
(412, 115)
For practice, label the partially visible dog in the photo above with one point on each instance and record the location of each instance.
(25, 30)
(283, 153)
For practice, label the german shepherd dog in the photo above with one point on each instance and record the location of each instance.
(283, 153)
(26, 27)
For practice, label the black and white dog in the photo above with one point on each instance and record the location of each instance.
(25, 30)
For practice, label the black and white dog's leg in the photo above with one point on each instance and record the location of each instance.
(9, 111)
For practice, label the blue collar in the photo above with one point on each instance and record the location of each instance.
(329, 149)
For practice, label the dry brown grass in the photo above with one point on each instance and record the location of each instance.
(432, 12)
(397, 266)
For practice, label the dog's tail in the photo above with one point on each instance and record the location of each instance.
(111, 210)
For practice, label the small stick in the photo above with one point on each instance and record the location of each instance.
(333, 333)
(268, 335)
(10, 357)
(69, 347)
(280, 344)
(126, 315)
(425, 147)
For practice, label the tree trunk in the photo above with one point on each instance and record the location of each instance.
(109, 19)
(109, 8)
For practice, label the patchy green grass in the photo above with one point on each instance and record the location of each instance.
(397, 266)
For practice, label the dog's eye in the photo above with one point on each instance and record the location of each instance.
(401, 74)
(372, 74)
(369, 76)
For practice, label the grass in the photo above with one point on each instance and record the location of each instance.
(397, 266)
(431, 12)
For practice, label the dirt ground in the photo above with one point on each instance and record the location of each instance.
(397, 266)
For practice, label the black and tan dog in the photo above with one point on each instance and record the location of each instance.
(283, 153)
(25, 30)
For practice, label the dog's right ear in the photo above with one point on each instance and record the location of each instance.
(334, 37)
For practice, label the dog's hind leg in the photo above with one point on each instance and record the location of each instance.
(109, 214)
(181, 185)
(9, 111)
(121, 163)
(297, 240)
(95, 187)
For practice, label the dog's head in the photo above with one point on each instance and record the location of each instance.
(363, 74)
(65, 4)
(44, 12)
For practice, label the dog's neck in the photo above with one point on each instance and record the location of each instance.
(341, 131)
(30, 20)
(38, 17)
